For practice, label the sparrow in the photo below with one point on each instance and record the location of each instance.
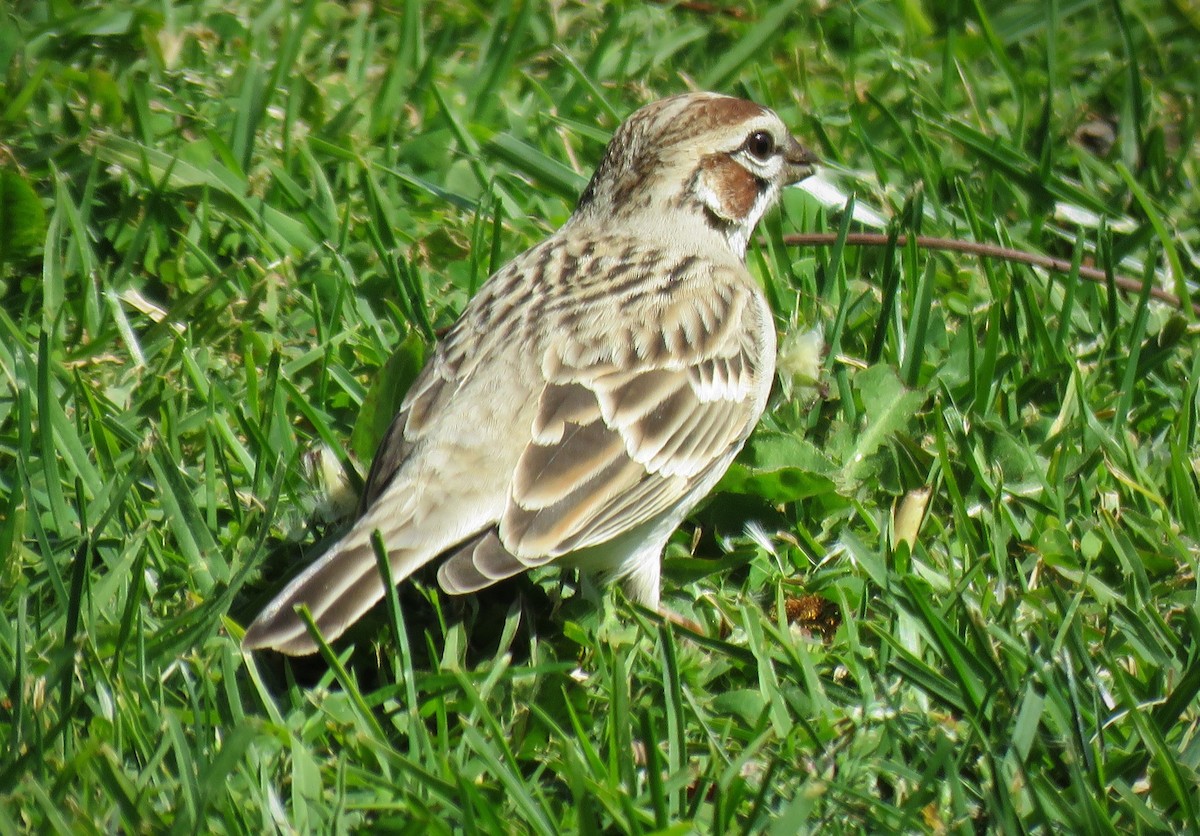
(593, 391)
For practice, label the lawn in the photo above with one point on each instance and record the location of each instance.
(949, 586)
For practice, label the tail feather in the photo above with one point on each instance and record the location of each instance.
(338, 589)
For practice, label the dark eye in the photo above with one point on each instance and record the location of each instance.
(760, 144)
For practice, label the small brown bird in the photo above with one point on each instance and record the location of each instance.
(594, 390)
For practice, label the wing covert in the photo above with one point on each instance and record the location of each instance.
(624, 434)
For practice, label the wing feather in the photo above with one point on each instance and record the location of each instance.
(540, 532)
(478, 564)
(616, 443)
(548, 472)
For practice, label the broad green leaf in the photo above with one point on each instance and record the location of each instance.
(383, 399)
(22, 218)
(780, 468)
(889, 407)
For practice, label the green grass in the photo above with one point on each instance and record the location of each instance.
(221, 227)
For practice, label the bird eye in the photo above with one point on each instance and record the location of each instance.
(760, 144)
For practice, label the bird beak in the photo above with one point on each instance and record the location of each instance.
(800, 162)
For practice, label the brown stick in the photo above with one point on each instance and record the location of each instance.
(875, 239)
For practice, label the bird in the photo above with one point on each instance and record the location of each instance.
(592, 392)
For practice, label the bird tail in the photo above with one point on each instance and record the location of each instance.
(337, 589)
